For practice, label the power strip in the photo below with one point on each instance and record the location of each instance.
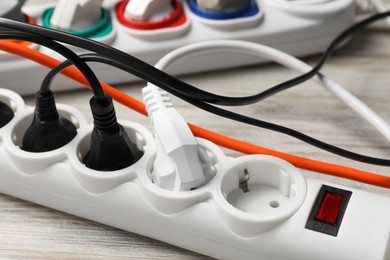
(256, 207)
(300, 28)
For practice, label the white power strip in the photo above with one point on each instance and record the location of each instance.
(256, 207)
(297, 27)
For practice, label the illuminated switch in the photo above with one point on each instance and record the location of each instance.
(148, 10)
(76, 15)
(221, 5)
(328, 210)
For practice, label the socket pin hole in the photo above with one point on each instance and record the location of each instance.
(274, 204)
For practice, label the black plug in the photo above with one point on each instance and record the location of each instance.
(6, 114)
(111, 148)
(48, 130)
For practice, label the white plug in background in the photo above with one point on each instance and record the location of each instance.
(76, 15)
(181, 164)
(148, 10)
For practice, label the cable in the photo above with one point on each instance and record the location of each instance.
(251, 49)
(288, 131)
(48, 130)
(107, 134)
(242, 47)
(94, 57)
(284, 59)
(171, 84)
(294, 133)
(67, 53)
(176, 145)
(139, 68)
(302, 78)
(224, 141)
(87, 57)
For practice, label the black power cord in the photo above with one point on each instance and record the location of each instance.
(173, 85)
(111, 148)
(228, 114)
(131, 64)
(49, 130)
(93, 57)
(64, 51)
(138, 68)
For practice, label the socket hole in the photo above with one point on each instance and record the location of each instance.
(258, 193)
(258, 187)
(274, 204)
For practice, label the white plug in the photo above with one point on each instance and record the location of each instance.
(181, 164)
(76, 15)
(221, 5)
(148, 10)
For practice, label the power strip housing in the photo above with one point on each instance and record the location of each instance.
(219, 220)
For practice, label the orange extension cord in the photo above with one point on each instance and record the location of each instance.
(224, 141)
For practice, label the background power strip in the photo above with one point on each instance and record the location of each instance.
(283, 216)
(298, 27)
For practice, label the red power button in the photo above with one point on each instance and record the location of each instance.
(328, 210)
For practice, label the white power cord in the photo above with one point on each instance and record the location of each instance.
(281, 58)
(144, 10)
(180, 164)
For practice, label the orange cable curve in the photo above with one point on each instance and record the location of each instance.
(221, 140)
